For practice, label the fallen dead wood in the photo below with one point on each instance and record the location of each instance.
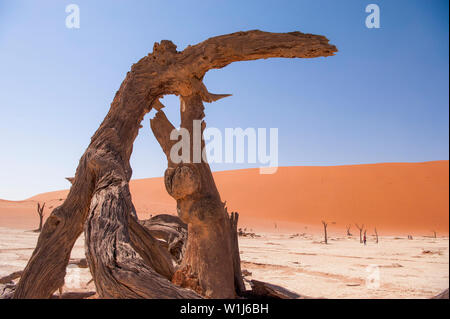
(442, 295)
(7, 279)
(74, 295)
(80, 262)
(244, 233)
(7, 290)
(261, 290)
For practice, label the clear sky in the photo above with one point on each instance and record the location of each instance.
(383, 98)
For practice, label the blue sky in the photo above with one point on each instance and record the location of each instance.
(383, 98)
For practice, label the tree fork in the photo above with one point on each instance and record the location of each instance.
(100, 186)
(208, 263)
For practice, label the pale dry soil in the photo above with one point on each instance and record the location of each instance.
(394, 268)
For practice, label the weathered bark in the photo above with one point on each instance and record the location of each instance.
(11, 277)
(171, 231)
(100, 186)
(124, 259)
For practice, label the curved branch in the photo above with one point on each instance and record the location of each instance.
(105, 164)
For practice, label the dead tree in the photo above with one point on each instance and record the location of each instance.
(125, 260)
(434, 234)
(40, 211)
(238, 281)
(325, 225)
(348, 230)
(376, 235)
(360, 232)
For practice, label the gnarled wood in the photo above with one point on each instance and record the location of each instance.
(171, 230)
(100, 186)
(124, 259)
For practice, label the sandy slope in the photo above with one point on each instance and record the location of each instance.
(396, 198)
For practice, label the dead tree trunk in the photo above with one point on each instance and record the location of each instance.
(376, 235)
(118, 248)
(360, 232)
(325, 225)
(348, 230)
(238, 278)
(40, 211)
(207, 265)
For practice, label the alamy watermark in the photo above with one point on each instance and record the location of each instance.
(373, 19)
(73, 17)
(373, 277)
(262, 147)
(73, 277)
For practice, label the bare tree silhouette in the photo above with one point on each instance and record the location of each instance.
(40, 211)
(376, 235)
(348, 230)
(360, 232)
(325, 225)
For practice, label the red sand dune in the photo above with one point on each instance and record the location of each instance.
(395, 197)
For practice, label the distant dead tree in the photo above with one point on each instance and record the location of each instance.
(360, 232)
(325, 225)
(376, 235)
(434, 233)
(40, 211)
(348, 230)
(410, 237)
